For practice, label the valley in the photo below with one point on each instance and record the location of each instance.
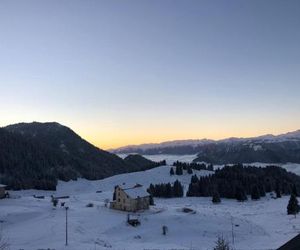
(261, 224)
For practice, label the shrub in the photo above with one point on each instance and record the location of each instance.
(90, 205)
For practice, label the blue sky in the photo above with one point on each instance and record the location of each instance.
(123, 72)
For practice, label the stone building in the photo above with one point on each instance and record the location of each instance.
(130, 199)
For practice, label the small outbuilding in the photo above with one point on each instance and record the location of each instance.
(130, 199)
(2, 191)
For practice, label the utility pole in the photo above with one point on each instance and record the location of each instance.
(232, 231)
(66, 225)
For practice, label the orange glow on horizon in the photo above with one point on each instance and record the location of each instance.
(113, 141)
(114, 134)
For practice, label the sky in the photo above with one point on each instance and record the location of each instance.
(130, 72)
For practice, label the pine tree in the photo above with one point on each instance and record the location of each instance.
(277, 190)
(152, 190)
(240, 194)
(171, 171)
(210, 167)
(179, 170)
(255, 193)
(262, 191)
(190, 192)
(294, 190)
(194, 179)
(216, 197)
(177, 189)
(168, 191)
(293, 206)
(221, 244)
(151, 201)
(189, 170)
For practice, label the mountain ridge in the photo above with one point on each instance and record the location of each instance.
(185, 142)
(283, 148)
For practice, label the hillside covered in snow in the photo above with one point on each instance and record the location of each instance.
(249, 225)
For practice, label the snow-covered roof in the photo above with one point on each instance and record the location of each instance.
(2, 186)
(136, 192)
(126, 186)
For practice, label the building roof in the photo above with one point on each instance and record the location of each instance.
(126, 186)
(293, 244)
(3, 186)
(136, 192)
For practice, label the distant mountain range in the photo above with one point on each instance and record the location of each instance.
(36, 155)
(267, 149)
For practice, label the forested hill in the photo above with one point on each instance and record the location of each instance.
(36, 155)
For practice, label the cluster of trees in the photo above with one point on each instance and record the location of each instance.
(26, 164)
(166, 190)
(161, 163)
(179, 170)
(188, 167)
(196, 166)
(238, 182)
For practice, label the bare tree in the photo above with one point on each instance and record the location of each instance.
(3, 242)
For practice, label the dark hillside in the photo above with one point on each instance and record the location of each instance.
(36, 155)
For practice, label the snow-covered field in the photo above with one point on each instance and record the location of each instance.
(29, 223)
(170, 159)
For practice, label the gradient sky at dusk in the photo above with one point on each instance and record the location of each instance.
(128, 72)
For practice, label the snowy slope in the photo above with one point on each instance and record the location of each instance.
(30, 223)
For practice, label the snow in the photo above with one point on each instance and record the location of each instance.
(136, 192)
(256, 147)
(29, 223)
(170, 159)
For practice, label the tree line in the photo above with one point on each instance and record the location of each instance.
(239, 182)
(193, 165)
(166, 190)
(234, 182)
